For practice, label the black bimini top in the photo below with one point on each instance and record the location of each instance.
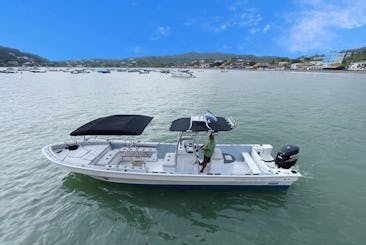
(114, 125)
(183, 124)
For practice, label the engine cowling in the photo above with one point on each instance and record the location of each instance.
(287, 156)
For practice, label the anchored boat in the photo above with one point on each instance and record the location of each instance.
(182, 74)
(177, 165)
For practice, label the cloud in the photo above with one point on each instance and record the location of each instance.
(247, 17)
(163, 30)
(237, 5)
(134, 4)
(266, 28)
(254, 30)
(136, 49)
(221, 28)
(242, 18)
(226, 47)
(160, 32)
(189, 22)
(317, 24)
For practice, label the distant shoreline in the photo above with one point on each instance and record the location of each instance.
(70, 69)
(286, 70)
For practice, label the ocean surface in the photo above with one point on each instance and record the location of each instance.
(323, 113)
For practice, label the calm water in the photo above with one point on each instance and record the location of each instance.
(325, 114)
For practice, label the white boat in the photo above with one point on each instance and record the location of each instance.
(144, 71)
(79, 71)
(173, 165)
(8, 70)
(36, 70)
(182, 74)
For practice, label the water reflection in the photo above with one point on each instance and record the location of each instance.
(139, 206)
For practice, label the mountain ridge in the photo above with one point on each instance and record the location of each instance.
(15, 57)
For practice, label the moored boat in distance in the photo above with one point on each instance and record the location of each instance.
(37, 70)
(79, 71)
(182, 74)
(9, 70)
(173, 165)
(144, 71)
(104, 71)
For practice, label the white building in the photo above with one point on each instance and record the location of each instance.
(333, 58)
(293, 66)
(357, 66)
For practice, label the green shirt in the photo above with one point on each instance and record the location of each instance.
(209, 148)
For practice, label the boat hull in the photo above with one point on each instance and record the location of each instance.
(200, 185)
(190, 181)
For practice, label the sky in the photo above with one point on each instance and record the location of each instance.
(112, 29)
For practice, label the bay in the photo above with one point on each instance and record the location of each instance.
(323, 113)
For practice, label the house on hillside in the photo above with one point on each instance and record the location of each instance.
(357, 66)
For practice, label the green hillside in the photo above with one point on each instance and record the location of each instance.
(14, 57)
(357, 55)
(189, 57)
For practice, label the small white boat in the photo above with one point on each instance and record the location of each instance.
(79, 71)
(182, 74)
(9, 70)
(173, 165)
(144, 71)
(36, 70)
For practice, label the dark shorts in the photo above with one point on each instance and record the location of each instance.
(206, 159)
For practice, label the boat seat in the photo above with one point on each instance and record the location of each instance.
(185, 163)
(217, 162)
(146, 153)
(138, 154)
(89, 153)
(251, 164)
(107, 158)
(169, 159)
(217, 154)
(261, 164)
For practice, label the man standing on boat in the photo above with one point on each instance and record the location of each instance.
(208, 150)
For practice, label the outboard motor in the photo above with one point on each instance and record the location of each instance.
(286, 157)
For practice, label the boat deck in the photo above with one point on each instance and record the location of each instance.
(163, 158)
